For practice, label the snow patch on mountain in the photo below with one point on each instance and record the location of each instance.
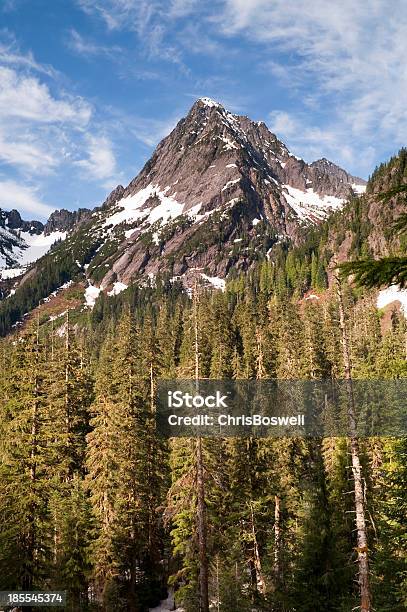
(358, 188)
(37, 245)
(193, 212)
(91, 295)
(25, 249)
(133, 209)
(309, 205)
(215, 281)
(210, 103)
(230, 183)
(55, 293)
(118, 287)
(393, 294)
(229, 144)
(10, 273)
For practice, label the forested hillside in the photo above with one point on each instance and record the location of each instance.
(217, 195)
(92, 500)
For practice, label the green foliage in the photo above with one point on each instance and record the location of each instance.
(92, 501)
(377, 273)
(114, 510)
(387, 270)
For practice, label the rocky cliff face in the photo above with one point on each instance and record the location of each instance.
(211, 146)
(23, 242)
(11, 241)
(217, 193)
(65, 220)
(13, 221)
(366, 227)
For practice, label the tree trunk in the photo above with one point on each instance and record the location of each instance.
(260, 369)
(200, 480)
(28, 578)
(31, 536)
(67, 389)
(260, 582)
(277, 540)
(202, 535)
(362, 541)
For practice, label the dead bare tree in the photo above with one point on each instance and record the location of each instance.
(362, 539)
(200, 483)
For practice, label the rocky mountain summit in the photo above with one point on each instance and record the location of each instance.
(65, 220)
(218, 192)
(12, 231)
(23, 242)
(12, 220)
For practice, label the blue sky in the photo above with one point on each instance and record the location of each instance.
(89, 87)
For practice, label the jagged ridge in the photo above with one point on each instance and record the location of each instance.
(216, 195)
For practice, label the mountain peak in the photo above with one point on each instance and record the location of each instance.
(209, 102)
(218, 192)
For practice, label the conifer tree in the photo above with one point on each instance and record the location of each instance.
(385, 271)
(25, 468)
(362, 541)
(69, 394)
(119, 477)
(192, 477)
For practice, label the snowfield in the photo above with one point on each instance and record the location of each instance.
(10, 273)
(132, 208)
(393, 294)
(215, 281)
(117, 288)
(38, 245)
(358, 188)
(91, 295)
(309, 205)
(31, 247)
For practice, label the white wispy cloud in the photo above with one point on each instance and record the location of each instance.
(26, 151)
(151, 20)
(40, 130)
(11, 54)
(134, 14)
(100, 162)
(88, 48)
(25, 97)
(151, 131)
(182, 8)
(137, 14)
(142, 128)
(347, 59)
(313, 142)
(36, 128)
(24, 198)
(342, 60)
(195, 40)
